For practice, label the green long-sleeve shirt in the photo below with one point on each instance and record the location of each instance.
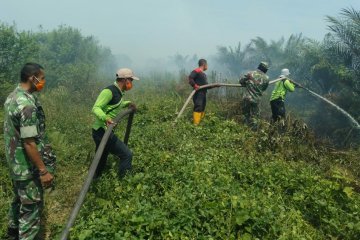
(108, 105)
(281, 88)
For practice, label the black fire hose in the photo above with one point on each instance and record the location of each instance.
(212, 85)
(128, 127)
(94, 164)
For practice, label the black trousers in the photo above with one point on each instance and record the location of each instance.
(278, 109)
(199, 100)
(114, 146)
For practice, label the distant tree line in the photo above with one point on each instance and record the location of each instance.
(68, 57)
(331, 67)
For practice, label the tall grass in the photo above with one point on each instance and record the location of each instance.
(220, 180)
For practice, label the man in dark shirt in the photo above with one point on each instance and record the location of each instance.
(198, 78)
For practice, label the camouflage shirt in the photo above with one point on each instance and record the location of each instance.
(24, 118)
(256, 82)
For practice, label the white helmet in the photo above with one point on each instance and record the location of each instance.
(285, 72)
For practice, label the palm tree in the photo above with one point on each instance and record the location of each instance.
(280, 54)
(345, 37)
(234, 59)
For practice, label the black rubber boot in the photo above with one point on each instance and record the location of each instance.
(12, 234)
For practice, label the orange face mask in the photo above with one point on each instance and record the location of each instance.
(128, 85)
(40, 84)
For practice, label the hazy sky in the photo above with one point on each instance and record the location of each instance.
(158, 28)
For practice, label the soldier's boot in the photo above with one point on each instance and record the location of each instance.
(12, 233)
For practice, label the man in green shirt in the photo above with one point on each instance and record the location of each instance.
(108, 104)
(279, 93)
(28, 153)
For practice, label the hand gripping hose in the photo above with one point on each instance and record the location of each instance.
(212, 85)
(94, 164)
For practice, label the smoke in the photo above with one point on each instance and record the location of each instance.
(153, 30)
(170, 36)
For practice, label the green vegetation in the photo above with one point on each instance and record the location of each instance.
(330, 67)
(217, 181)
(220, 180)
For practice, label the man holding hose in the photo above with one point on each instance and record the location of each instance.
(107, 106)
(198, 78)
(279, 93)
(255, 82)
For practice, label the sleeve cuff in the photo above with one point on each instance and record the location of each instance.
(28, 131)
(105, 117)
(125, 103)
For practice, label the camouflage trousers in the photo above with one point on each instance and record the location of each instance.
(26, 208)
(49, 158)
(251, 112)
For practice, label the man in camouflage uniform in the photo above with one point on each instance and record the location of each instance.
(256, 82)
(28, 153)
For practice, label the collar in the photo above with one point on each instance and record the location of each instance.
(20, 89)
(122, 92)
(198, 70)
